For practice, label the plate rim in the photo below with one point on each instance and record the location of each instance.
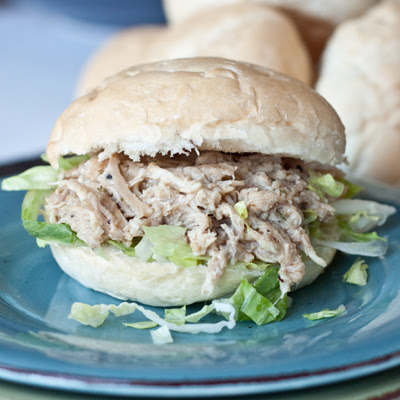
(204, 387)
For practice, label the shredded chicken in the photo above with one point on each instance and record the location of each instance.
(114, 199)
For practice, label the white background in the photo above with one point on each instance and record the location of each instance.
(42, 52)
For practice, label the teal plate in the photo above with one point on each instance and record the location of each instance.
(41, 347)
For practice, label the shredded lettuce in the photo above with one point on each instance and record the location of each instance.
(268, 285)
(123, 309)
(32, 204)
(351, 188)
(325, 183)
(269, 281)
(42, 177)
(240, 208)
(89, 315)
(347, 233)
(141, 325)
(161, 335)
(251, 305)
(96, 315)
(357, 274)
(261, 302)
(363, 222)
(39, 181)
(144, 250)
(326, 231)
(36, 178)
(129, 251)
(45, 158)
(41, 243)
(314, 229)
(309, 216)
(325, 313)
(197, 316)
(364, 214)
(175, 315)
(218, 307)
(374, 248)
(178, 316)
(46, 232)
(70, 162)
(353, 219)
(99, 251)
(169, 243)
(255, 265)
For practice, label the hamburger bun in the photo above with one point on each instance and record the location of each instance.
(174, 107)
(360, 76)
(251, 33)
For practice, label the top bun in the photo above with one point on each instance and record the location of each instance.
(179, 105)
(360, 76)
(248, 32)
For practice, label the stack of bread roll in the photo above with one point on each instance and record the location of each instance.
(348, 49)
(360, 77)
(315, 19)
(247, 32)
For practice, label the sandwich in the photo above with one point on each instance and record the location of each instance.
(190, 180)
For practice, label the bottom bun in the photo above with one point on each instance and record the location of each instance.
(313, 270)
(156, 284)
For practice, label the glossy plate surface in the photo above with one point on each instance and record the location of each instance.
(40, 346)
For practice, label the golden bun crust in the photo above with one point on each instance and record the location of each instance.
(252, 33)
(176, 106)
(360, 76)
(156, 284)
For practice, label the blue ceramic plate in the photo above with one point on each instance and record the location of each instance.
(40, 346)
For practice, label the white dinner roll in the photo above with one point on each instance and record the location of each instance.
(245, 32)
(126, 48)
(251, 33)
(360, 76)
(315, 19)
(179, 105)
(333, 11)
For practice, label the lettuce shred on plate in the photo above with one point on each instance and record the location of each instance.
(325, 313)
(357, 274)
(262, 301)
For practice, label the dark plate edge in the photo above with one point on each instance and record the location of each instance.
(19, 166)
(257, 384)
